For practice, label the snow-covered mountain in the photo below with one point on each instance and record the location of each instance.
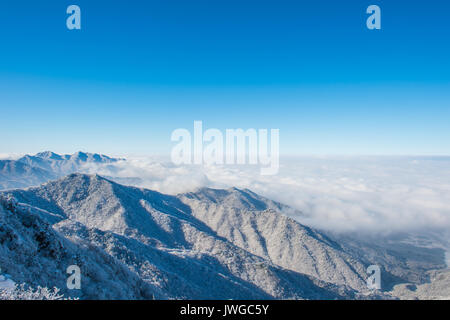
(144, 244)
(134, 243)
(45, 166)
(254, 223)
(16, 174)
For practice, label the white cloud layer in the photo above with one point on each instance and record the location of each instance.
(10, 156)
(344, 194)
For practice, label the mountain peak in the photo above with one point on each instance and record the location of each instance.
(91, 157)
(49, 155)
(82, 156)
(74, 177)
(235, 197)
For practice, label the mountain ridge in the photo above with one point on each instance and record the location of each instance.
(263, 231)
(160, 240)
(33, 170)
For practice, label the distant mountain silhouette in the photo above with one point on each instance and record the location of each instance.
(45, 166)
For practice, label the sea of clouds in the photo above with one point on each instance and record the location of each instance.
(10, 156)
(335, 193)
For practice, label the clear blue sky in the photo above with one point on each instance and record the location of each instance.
(139, 69)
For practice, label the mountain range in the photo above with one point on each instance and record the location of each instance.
(146, 244)
(134, 243)
(33, 170)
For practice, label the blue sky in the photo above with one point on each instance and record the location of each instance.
(140, 69)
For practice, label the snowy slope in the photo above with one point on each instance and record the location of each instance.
(16, 174)
(156, 238)
(32, 252)
(254, 223)
(436, 288)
